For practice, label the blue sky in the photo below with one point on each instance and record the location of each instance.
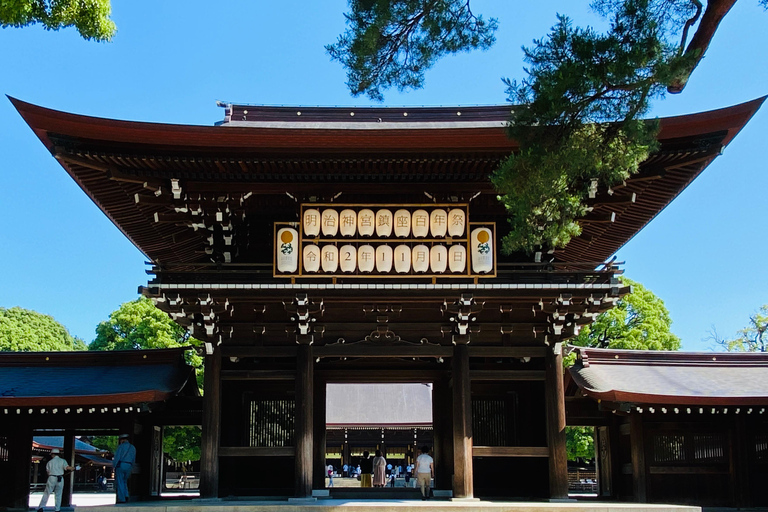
(704, 255)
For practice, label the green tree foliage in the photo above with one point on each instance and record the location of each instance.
(752, 338)
(640, 321)
(182, 444)
(23, 330)
(391, 43)
(140, 325)
(108, 443)
(578, 120)
(580, 443)
(89, 17)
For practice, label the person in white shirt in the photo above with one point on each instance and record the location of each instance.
(425, 471)
(56, 468)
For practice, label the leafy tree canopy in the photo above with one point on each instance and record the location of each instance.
(391, 43)
(640, 321)
(578, 122)
(89, 17)
(140, 325)
(182, 444)
(752, 338)
(24, 330)
(580, 443)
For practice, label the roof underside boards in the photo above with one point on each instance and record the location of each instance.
(127, 167)
(672, 378)
(92, 378)
(378, 405)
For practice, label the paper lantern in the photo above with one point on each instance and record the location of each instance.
(402, 221)
(329, 222)
(384, 222)
(457, 258)
(402, 259)
(311, 222)
(348, 258)
(438, 259)
(365, 222)
(384, 255)
(287, 250)
(329, 257)
(481, 242)
(366, 257)
(438, 223)
(311, 258)
(457, 221)
(420, 258)
(420, 223)
(348, 222)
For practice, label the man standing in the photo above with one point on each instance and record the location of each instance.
(123, 461)
(425, 471)
(55, 483)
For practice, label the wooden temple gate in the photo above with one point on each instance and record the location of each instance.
(224, 214)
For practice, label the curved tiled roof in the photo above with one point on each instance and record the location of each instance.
(662, 377)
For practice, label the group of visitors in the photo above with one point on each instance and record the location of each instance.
(122, 461)
(375, 472)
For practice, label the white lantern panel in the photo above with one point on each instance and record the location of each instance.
(402, 259)
(287, 245)
(438, 259)
(366, 256)
(311, 222)
(311, 258)
(329, 222)
(420, 258)
(420, 223)
(365, 222)
(481, 241)
(384, 222)
(457, 258)
(457, 221)
(348, 222)
(384, 255)
(348, 258)
(402, 224)
(438, 223)
(330, 258)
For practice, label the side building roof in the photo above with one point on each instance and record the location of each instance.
(639, 377)
(91, 378)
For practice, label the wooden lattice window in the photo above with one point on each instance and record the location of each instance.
(3, 449)
(761, 448)
(492, 421)
(668, 448)
(709, 447)
(272, 423)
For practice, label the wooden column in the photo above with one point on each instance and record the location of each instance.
(319, 439)
(68, 453)
(740, 480)
(14, 492)
(462, 424)
(304, 423)
(637, 449)
(555, 406)
(209, 449)
(442, 405)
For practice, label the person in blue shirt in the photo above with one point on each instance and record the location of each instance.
(123, 462)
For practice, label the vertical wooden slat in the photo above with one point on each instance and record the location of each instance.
(319, 441)
(637, 449)
(462, 424)
(209, 449)
(555, 407)
(68, 453)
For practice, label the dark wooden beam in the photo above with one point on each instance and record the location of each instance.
(257, 451)
(475, 351)
(251, 351)
(462, 424)
(637, 450)
(526, 375)
(209, 450)
(257, 375)
(304, 420)
(344, 350)
(555, 410)
(510, 451)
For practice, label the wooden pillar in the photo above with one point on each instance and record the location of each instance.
(304, 423)
(68, 453)
(209, 446)
(319, 438)
(740, 481)
(462, 424)
(637, 449)
(14, 491)
(555, 406)
(442, 433)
